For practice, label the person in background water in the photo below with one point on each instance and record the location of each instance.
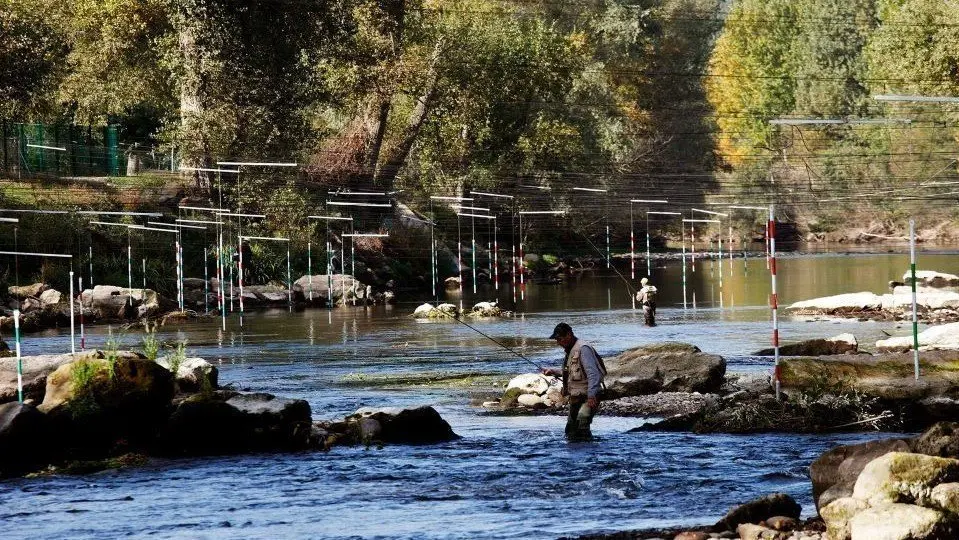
(647, 297)
(582, 375)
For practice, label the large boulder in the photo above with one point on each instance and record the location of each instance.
(942, 440)
(316, 288)
(664, 367)
(900, 496)
(26, 439)
(52, 297)
(96, 402)
(264, 295)
(759, 510)
(834, 473)
(901, 522)
(27, 291)
(903, 477)
(422, 425)
(944, 336)
(224, 422)
(887, 376)
(35, 372)
(841, 344)
(931, 278)
(110, 302)
(37, 368)
(193, 374)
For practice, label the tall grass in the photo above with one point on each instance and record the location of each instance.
(151, 345)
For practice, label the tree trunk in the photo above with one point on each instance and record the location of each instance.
(386, 174)
(194, 149)
(379, 111)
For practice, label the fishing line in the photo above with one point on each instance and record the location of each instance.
(629, 287)
(487, 336)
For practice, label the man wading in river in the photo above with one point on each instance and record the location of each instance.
(582, 373)
(647, 298)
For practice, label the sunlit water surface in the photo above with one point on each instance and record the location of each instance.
(508, 477)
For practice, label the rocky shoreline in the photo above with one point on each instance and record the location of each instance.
(936, 301)
(42, 307)
(103, 409)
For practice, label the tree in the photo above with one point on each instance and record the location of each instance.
(30, 52)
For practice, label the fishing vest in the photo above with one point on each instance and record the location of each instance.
(574, 376)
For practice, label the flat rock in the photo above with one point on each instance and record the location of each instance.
(887, 375)
(841, 344)
(941, 337)
(931, 278)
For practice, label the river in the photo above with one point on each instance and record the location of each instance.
(508, 477)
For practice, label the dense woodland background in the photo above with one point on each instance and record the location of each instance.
(652, 99)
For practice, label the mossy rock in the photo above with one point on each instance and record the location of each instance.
(904, 477)
(96, 402)
(510, 397)
(888, 376)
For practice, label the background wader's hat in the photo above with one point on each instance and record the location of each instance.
(562, 329)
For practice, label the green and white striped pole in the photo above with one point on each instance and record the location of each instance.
(915, 317)
(683, 225)
(16, 341)
(206, 281)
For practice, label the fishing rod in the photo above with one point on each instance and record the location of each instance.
(487, 336)
(629, 288)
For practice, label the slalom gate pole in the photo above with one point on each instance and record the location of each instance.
(774, 299)
(73, 336)
(915, 316)
(16, 340)
(82, 334)
(632, 251)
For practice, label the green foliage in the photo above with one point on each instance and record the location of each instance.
(151, 345)
(177, 357)
(30, 52)
(84, 379)
(112, 352)
(824, 59)
(82, 375)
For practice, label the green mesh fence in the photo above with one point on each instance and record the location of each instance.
(61, 150)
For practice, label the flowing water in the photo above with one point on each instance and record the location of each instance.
(508, 477)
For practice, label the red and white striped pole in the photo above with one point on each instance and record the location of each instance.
(514, 272)
(767, 245)
(239, 274)
(773, 297)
